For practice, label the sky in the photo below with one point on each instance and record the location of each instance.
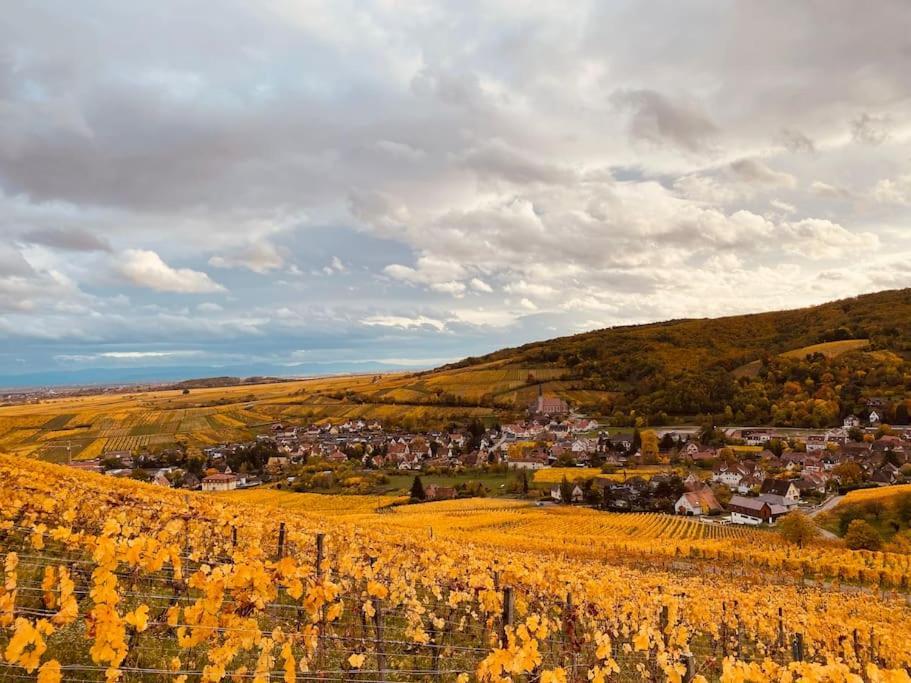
(279, 187)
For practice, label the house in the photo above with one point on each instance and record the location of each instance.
(874, 418)
(753, 511)
(852, 422)
(435, 492)
(578, 495)
(816, 442)
(780, 492)
(219, 482)
(548, 405)
(696, 503)
(755, 437)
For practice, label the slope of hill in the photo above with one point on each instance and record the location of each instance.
(807, 367)
(810, 365)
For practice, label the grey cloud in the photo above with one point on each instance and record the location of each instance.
(869, 129)
(70, 239)
(756, 171)
(796, 141)
(658, 119)
(498, 160)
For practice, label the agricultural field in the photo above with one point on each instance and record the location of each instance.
(554, 475)
(85, 427)
(118, 580)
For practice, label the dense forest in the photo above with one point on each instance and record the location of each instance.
(804, 367)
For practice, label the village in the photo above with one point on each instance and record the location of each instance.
(743, 475)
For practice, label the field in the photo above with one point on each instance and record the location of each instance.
(554, 475)
(119, 580)
(85, 427)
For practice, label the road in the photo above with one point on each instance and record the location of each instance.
(825, 507)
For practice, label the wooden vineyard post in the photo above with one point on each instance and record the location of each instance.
(436, 644)
(509, 609)
(320, 539)
(234, 536)
(281, 540)
(724, 629)
(690, 663)
(797, 647)
(380, 652)
(781, 639)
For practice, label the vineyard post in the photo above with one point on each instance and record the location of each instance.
(435, 653)
(690, 663)
(234, 536)
(739, 633)
(797, 647)
(320, 538)
(378, 626)
(281, 540)
(509, 608)
(724, 629)
(780, 626)
(855, 636)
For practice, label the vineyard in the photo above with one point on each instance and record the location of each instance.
(117, 580)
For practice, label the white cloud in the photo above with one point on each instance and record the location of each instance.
(145, 268)
(478, 285)
(404, 322)
(896, 191)
(453, 287)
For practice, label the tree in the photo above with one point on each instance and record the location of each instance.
(848, 472)
(903, 508)
(417, 489)
(649, 446)
(566, 491)
(636, 443)
(798, 528)
(862, 536)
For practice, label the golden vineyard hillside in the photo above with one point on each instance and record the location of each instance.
(118, 580)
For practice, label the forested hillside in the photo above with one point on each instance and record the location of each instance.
(808, 366)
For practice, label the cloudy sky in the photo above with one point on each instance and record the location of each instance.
(302, 186)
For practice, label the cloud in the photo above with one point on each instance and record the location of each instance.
(69, 239)
(478, 285)
(869, 129)
(822, 239)
(656, 118)
(404, 322)
(260, 257)
(822, 189)
(335, 266)
(796, 141)
(453, 287)
(144, 268)
(898, 191)
(497, 160)
(755, 171)
(209, 307)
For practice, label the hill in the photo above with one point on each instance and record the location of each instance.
(810, 366)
